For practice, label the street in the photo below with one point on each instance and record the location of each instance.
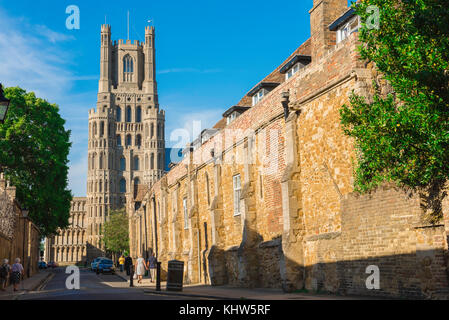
(93, 287)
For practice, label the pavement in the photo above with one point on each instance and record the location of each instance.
(231, 293)
(28, 285)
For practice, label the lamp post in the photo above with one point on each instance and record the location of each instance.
(4, 105)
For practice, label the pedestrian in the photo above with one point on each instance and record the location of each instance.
(152, 265)
(17, 273)
(128, 264)
(5, 271)
(140, 268)
(121, 262)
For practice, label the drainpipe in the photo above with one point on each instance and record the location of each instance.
(285, 102)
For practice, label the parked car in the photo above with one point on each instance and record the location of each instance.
(106, 266)
(42, 265)
(94, 264)
(52, 265)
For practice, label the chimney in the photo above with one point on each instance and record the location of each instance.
(323, 13)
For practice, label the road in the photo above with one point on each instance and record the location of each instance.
(93, 287)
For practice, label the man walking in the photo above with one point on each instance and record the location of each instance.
(121, 262)
(5, 270)
(152, 265)
(128, 264)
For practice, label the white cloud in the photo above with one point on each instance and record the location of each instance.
(51, 35)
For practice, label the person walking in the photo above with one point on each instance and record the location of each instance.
(5, 271)
(17, 273)
(152, 265)
(121, 262)
(128, 264)
(140, 268)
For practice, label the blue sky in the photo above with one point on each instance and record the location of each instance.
(208, 54)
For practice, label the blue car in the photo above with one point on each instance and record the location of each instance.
(94, 264)
(105, 266)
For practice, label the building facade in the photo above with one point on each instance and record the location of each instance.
(126, 145)
(69, 247)
(266, 199)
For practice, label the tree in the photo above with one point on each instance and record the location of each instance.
(34, 148)
(116, 233)
(403, 136)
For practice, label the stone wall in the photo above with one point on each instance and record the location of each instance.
(300, 225)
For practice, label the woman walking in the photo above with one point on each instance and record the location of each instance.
(140, 268)
(17, 272)
(5, 270)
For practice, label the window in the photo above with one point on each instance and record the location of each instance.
(237, 193)
(136, 181)
(128, 114)
(123, 186)
(128, 68)
(347, 29)
(138, 140)
(258, 96)
(119, 140)
(122, 164)
(139, 115)
(232, 117)
(186, 214)
(207, 189)
(128, 140)
(293, 70)
(136, 163)
(119, 114)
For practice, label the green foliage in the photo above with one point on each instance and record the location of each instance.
(403, 137)
(34, 149)
(116, 232)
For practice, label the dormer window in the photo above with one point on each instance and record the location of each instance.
(346, 25)
(233, 113)
(261, 90)
(259, 96)
(294, 65)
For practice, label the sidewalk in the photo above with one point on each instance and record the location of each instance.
(230, 293)
(27, 285)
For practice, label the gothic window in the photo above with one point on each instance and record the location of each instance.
(136, 163)
(128, 114)
(123, 185)
(152, 131)
(122, 164)
(128, 68)
(119, 114)
(101, 163)
(101, 128)
(138, 140)
(119, 140)
(128, 140)
(152, 161)
(136, 181)
(139, 114)
(159, 161)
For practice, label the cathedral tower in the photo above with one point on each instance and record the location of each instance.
(126, 131)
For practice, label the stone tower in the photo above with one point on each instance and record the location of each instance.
(126, 131)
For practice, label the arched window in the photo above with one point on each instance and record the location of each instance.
(139, 114)
(101, 164)
(136, 163)
(136, 181)
(123, 185)
(128, 114)
(122, 164)
(152, 130)
(159, 161)
(128, 68)
(138, 140)
(119, 140)
(152, 162)
(119, 114)
(101, 128)
(128, 140)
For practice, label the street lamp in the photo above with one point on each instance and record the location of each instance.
(4, 104)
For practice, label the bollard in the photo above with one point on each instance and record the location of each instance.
(158, 276)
